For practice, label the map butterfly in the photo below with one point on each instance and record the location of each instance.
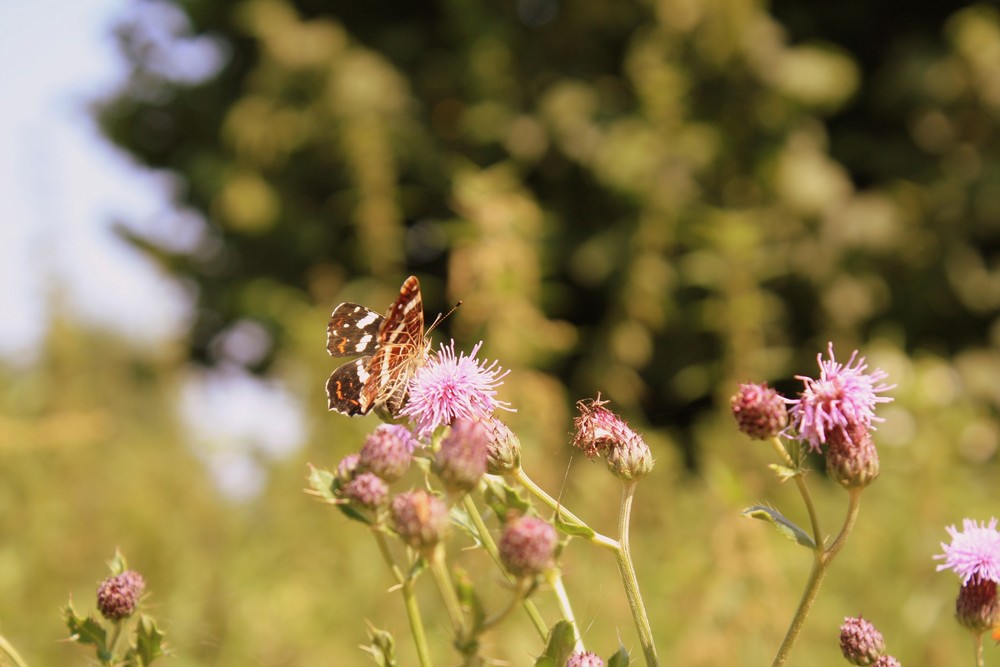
(391, 349)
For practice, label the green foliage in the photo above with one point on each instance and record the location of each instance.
(784, 525)
(559, 646)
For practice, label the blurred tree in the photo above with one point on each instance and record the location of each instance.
(651, 199)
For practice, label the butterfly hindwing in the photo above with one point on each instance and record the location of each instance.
(343, 389)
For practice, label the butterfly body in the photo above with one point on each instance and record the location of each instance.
(391, 348)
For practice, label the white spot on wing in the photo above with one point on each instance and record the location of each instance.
(363, 343)
(367, 320)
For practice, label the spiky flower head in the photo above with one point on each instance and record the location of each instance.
(388, 452)
(759, 410)
(453, 385)
(842, 400)
(367, 490)
(974, 552)
(347, 468)
(584, 659)
(860, 641)
(630, 460)
(461, 461)
(504, 449)
(118, 596)
(420, 518)
(527, 545)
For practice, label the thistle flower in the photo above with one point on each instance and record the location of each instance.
(527, 546)
(118, 596)
(388, 452)
(860, 641)
(461, 461)
(842, 400)
(584, 659)
(600, 432)
(977, 607)
(759, 410)
(851, 457)
(503, 453)
(974, 552)
(367, 489)
(886, 661)
(450, 386)
(420, 519)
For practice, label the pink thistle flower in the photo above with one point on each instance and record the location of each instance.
(974, 553)
(841, 401)
(450, 386)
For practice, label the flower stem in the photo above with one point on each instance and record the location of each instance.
(409, 598)
(491, 548)
(977, 637)
(8, 651)
(823, 557)
(554, 579)
(522, 477)
(624, 557)
(439, 568)
(800, 481)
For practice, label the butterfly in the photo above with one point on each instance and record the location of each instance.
(392, 348)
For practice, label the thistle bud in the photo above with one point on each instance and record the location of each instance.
(347, 468)
(584, 659)
(503, 451)
(118, 596)
(851, 457)
(886, 661)
(461, 461)
(759, 411)
(631, 459)
(388, 452)
(367, 490)
(420, 519)
(977, 607)
(860, 641)
(527, 546)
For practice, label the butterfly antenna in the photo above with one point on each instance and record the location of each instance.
(441, 318)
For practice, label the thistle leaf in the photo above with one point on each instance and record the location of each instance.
(784, 525)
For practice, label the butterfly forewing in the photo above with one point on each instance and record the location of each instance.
(395, 343)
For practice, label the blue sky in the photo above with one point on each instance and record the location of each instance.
(62, 187)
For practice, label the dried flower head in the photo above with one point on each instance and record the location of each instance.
(118, 596)
(461, 461)
(527, 546)
(974, 552)
(860, 641)
(759, 410)
(388, 452)
(842, 399)
(452, 385)
(420, 519)
(367, 489)
(600, 432)
(584, 659)
(504, 449)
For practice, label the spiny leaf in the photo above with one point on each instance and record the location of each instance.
(619, 659)
(784, 525)
(85, 630)
(382, 647)
(321, 483)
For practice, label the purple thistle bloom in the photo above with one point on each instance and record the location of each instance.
(842, 400)
(584, 659)
(450, 386)
(974, 553)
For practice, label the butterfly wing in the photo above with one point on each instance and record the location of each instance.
(345, 387)
(353, 330)
(401, 349)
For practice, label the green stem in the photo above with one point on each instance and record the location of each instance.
(519, 590)
(491, 548)
(522, 478)
(800, 481)
(823, 557)
(116, 637)
(439, 568)
(409, 599)
(624, 557)
(978, 639)
(554, 579)
(8, 650)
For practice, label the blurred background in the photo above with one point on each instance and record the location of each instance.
(656, 200)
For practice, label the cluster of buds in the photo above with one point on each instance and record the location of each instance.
(600, 432)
